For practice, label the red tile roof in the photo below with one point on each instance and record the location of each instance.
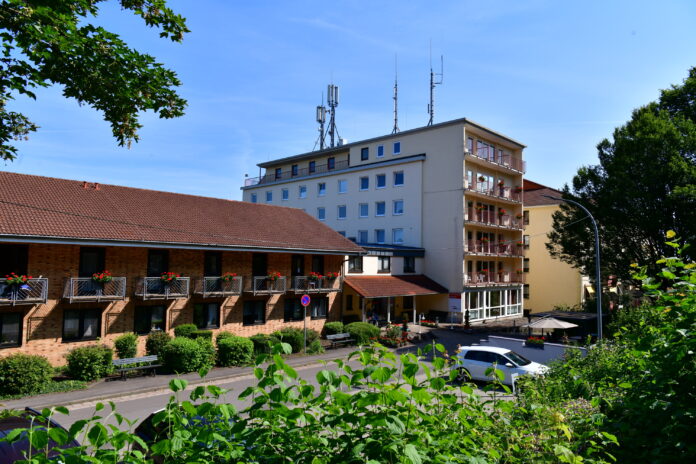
(44, 207)
(533, 194)
(387, 285)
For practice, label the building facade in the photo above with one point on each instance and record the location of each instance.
(238, 267)
(442, 201)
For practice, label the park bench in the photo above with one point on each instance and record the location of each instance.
(338, 339)
(123, 366)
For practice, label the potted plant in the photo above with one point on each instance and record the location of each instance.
(273, 276)
(518, 189)
(501, 183)
(102, 277)
(228, 276)
(332, 275)
(169, 277)
(535, 342)
(314, 276)
(482, 179)
(520, 243)
(479, 208)
(13, 279)
(501, 212)
(518, 216)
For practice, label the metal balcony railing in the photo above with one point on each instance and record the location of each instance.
(483, 247)
(492, 189)
(305, 284)
(272, 177)
(210, 287)
(476, 279)
(34, 291)
(154, 288)
(490, 218)
(86, 289)
(499, 157)
(262, 285)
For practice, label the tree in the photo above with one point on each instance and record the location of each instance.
(48, 42)
(644, 185)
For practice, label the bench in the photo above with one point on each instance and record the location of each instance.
(123, 366)
(338, 339)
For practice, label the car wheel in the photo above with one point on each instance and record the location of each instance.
(463, 375)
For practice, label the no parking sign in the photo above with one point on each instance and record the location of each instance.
(305, 300)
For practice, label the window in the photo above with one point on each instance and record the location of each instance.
(342, 214)
(381, 181)
(525, 240)
(285, 194)
(380, 208)
(321, 189)
(364, 183)
(294, 311)
(278, 173)
(331, 163)
(254, 312)
(525, 265)
(157, 262)
(81, 324)
(408, 302)
(253, 198)
(384, 264)
(319, 308)
(312, 167)
(303, 191)
(294, 170)
(355, 264)
(397, 148)
(321, 214)
(269, 197)
(212, 264)
(342, 233)
(15, 258)
(148, 318)
(364, 154)
(398, 207)
(364, 210)
(380, 151)
(362, 236)
(342, 186)
(526, 291)
(470, 145)
(409, 264)
(349, 302)
(398, 178)
(379, 235)
(397, 236)
(525, 217)
(318, 264)
(10, 329)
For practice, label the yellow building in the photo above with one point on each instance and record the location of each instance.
(549, 282)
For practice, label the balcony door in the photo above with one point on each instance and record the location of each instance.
(92, 261)
(318, 264)
(13, 258)
(259, 268)
(212, 267)
(297, 265)
(157, 264)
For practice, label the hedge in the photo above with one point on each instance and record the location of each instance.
(362, 332)
(155, 342)
(333, 328)
(24, 374)
(90, 362)
(126, 345)
(262, 342)
(182, 355)
(185, 330)
(206, 334)
(222, 335)
(235, 351)
(295, 337)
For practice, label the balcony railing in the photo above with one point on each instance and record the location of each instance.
(85, 289)
(305, 284)
(262, 285)
(34, 291)
(476, 279)
(272, 177)
(211, 287)
(154, 288)
(492, 189)
(490, 218)
(499, 157)
(488, 248)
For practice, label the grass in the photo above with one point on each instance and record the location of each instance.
(54, 386)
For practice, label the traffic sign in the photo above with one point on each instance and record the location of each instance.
(305, 300)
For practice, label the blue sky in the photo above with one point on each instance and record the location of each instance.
(557, 76)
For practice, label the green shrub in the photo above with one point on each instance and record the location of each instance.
(333, 328)
(393, 332)
(235, 351)
(126, 345)
(90, 362)
(206, 334)
(24, 374)
(315, 347)
(362, 332)
(295, 337)
(185, 330)
(208, 353)
(222, 335)
(262, 342)
(155, 342)
(182, 355)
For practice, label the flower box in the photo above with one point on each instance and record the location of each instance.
(332, 275)
(535, 342)
(228, 276)
(315, 276)
(169, 277)
(273, 276)
(102, 277)
(14, 279)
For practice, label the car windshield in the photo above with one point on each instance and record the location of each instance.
(518, 358)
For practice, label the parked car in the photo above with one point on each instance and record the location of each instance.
(473, 361)
(11, 452)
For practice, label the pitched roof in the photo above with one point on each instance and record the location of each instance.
(389, 286)
(44, 207)
(534, 194)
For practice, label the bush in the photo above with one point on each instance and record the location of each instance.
(333, 328)
(205, 334)
(235, 351)
(185, 330)
(315, 347)
(155, 342)
(295, 337)
(208, 353)
(362, 332)
(90, 362)
(24, 374)
(262, 342)
(222, 335)
(182, 355)
(126, 345)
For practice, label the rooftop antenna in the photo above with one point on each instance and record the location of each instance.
(396, 98)
(433, 83)
(332, 101)
(321, 119)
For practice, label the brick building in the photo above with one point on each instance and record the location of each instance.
(62, 232)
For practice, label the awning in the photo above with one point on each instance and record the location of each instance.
(390, 286)
(550, 323)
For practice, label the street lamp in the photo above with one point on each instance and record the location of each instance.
(598, 281)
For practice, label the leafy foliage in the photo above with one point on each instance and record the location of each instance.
(333, 328)
(126, 345)
(362, 332)
(222, 335)
(24, 374)
(46, 43)
(235, 351)
(295, 337)
(185, 330)
(207, 334)
(156, 341)
(262, 343)
(90, 362)
(182, 355)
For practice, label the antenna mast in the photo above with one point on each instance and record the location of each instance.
(396, 98)
(332, 97)
(433, 83)
(321, 119)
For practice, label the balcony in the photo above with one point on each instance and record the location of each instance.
(262, 285)
(486, 279)
(215, 287)
(487, 248)
(273, 177)
(499, 158)
(79, 289)
(34, 291)
(154, 288)
(489, 218)
(305, 284)
(491, 189)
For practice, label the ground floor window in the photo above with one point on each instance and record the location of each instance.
(10, 329)
(206, 315)
(320, 308)
(254, 312)
(81, 324)
(294, 311)
(148, 318)
(408, 302)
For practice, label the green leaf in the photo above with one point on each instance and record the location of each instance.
(177, 385)
(412, 454)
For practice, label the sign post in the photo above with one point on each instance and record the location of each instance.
(305, 302)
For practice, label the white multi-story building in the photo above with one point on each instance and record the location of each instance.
(439, 209)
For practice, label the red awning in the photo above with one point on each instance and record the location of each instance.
(391, 286)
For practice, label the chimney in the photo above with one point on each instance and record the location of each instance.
(96, 186)
(84, 184)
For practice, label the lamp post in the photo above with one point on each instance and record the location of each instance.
(598, 277)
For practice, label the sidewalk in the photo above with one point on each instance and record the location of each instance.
(109, 390)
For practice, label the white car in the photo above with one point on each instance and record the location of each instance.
(473, 361)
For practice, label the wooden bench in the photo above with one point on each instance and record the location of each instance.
(338, 339)
(123, 366)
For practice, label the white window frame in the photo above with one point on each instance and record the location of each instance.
(253, 198)
(403, 208)
(302, 191)
(269, 196)
(394, 150)
(367, 210)
(285, 194)
(342, 182)
(338, 212)
(403, 179)
(320, 192)
(394, 231)
(321, 213)
(361, 183)
(380, 148)
(367, 236)
(377, 209)
(384, 236)
(377, 181)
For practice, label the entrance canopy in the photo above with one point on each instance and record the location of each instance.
(388, 286)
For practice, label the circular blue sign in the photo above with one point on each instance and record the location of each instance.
(305, 300)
